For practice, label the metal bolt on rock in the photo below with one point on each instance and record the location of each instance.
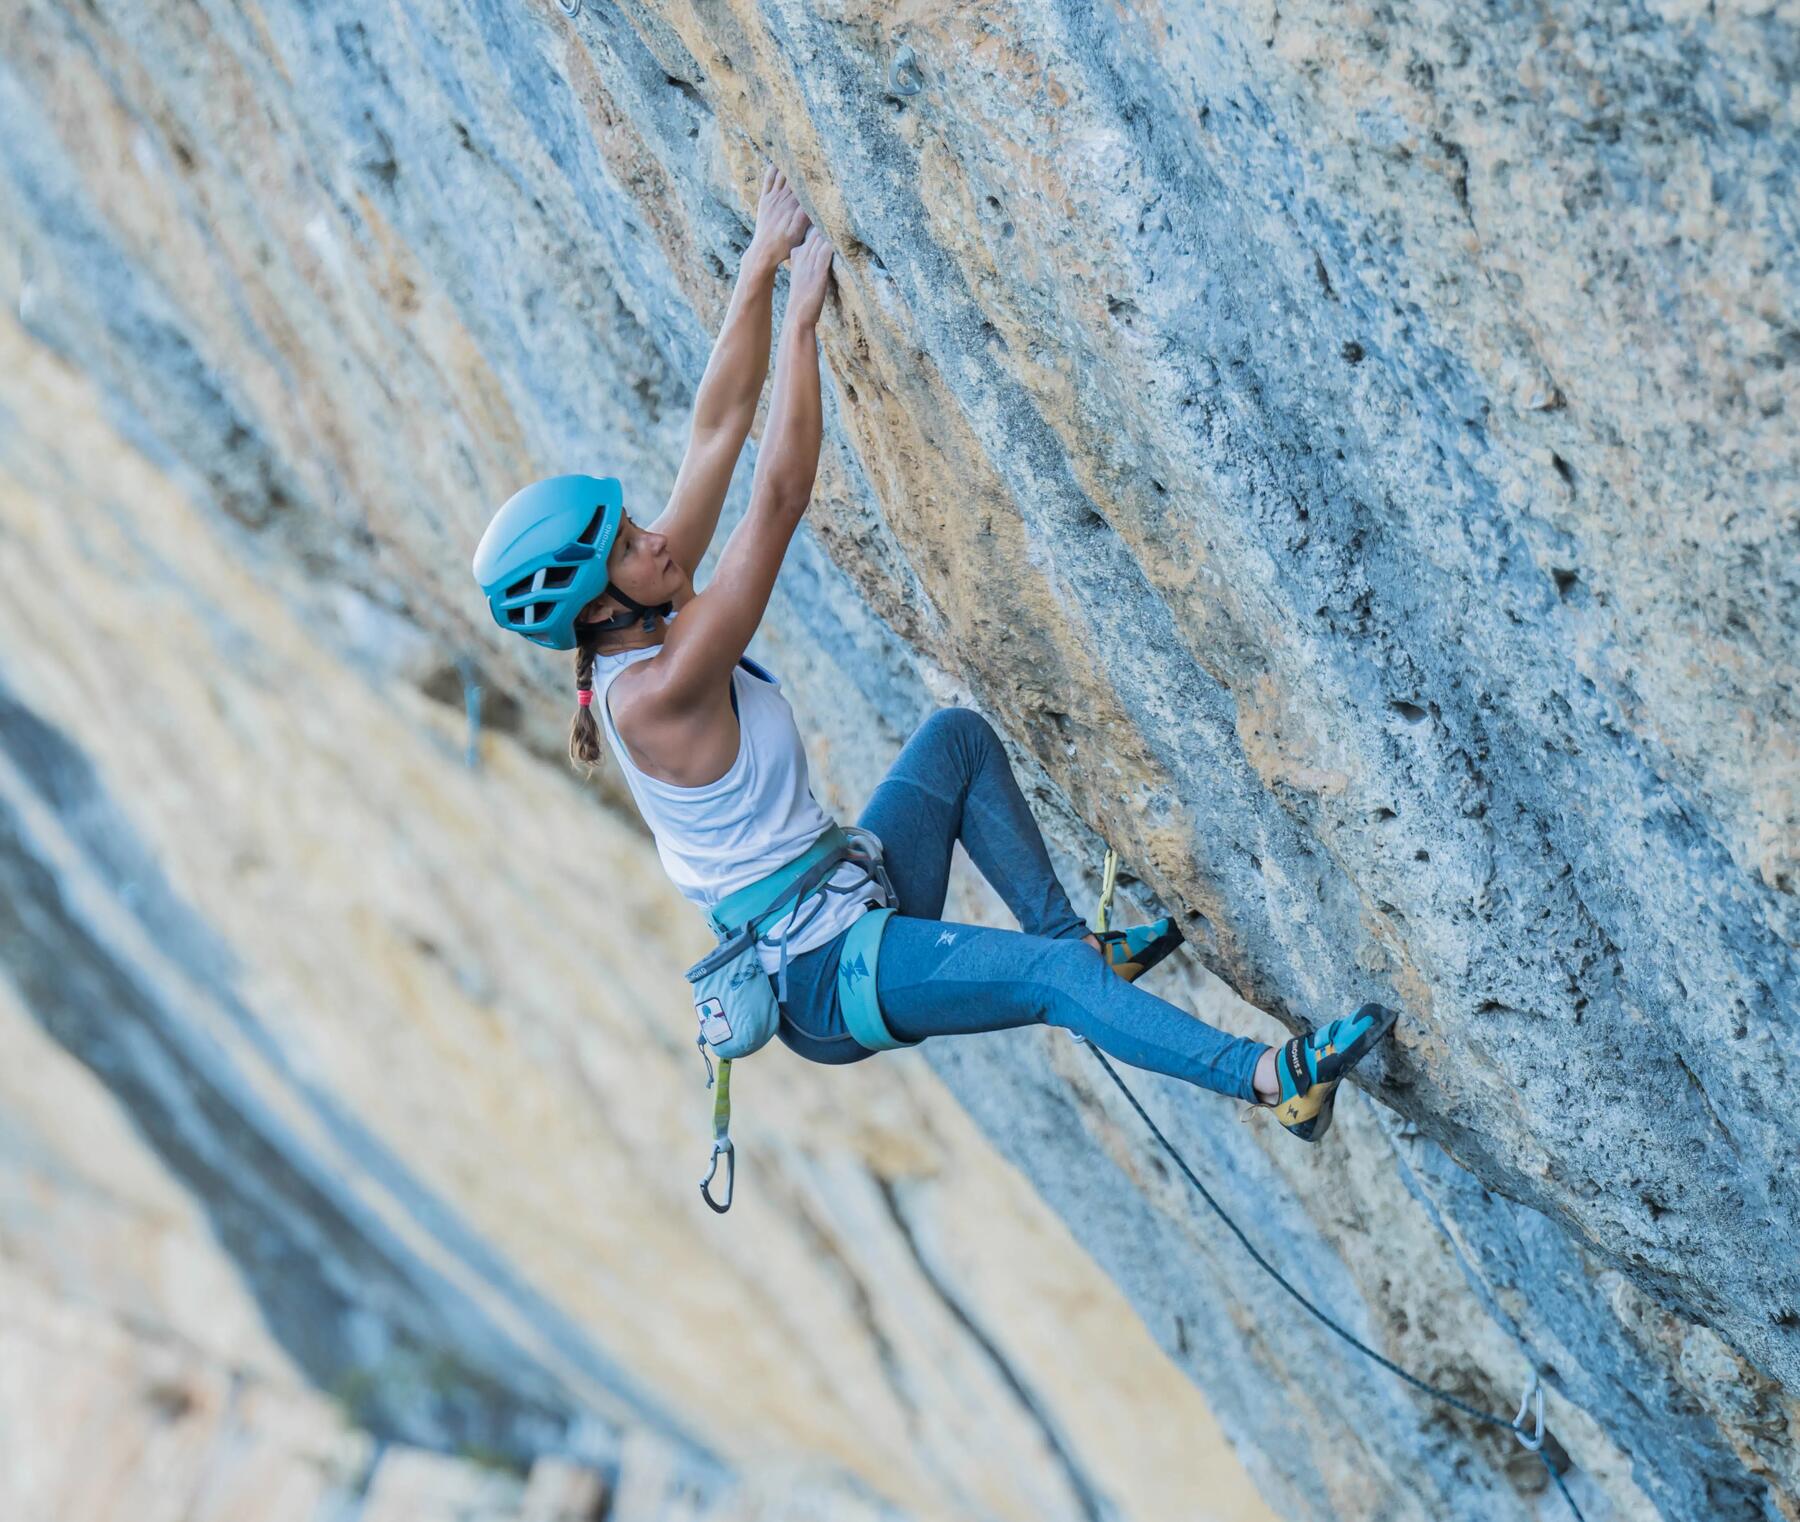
(904, 62)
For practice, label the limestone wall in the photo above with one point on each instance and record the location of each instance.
(1347, 451)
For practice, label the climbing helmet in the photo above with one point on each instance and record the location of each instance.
(543, 558)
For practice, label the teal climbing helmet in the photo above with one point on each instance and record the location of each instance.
(543, 558)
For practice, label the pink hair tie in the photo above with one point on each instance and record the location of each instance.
(584, 696)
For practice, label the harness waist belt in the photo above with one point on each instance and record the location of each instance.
(763, 899)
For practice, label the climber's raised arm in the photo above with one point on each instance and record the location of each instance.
(725, 403)
(704, 643)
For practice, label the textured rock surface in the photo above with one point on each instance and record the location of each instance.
(272, 916)
(1350, 454)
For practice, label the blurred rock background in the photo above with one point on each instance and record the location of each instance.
(1348, 452)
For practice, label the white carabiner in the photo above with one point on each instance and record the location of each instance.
(1534, 1398)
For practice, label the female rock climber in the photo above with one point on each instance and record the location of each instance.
(710, 751)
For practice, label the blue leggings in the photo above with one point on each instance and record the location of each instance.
(952, 782)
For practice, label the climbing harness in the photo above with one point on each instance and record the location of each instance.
(739, 1010)
(1539, 1441)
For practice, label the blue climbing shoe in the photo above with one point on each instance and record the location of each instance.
(1132, 953)
(1309, 1067)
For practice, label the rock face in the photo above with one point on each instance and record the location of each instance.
(1351, 455)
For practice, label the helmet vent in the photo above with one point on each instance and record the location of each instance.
(557, 576)
(523, 585)
(592, 532)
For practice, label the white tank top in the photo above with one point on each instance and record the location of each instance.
(760, 815)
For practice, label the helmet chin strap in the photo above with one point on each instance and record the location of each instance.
(635, 611)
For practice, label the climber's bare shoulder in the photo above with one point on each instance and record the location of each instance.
(685, 745)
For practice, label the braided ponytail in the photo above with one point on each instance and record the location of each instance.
(584, 733)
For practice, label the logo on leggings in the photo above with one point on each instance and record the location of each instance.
(946, 938)
(853, 970)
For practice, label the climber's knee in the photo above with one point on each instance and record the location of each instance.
(962, 722)
(1064, 967)
(958, 720)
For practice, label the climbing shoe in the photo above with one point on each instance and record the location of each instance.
(1309, 1067)
(1132, 953)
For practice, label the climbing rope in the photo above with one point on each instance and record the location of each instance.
(1534, 1390)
